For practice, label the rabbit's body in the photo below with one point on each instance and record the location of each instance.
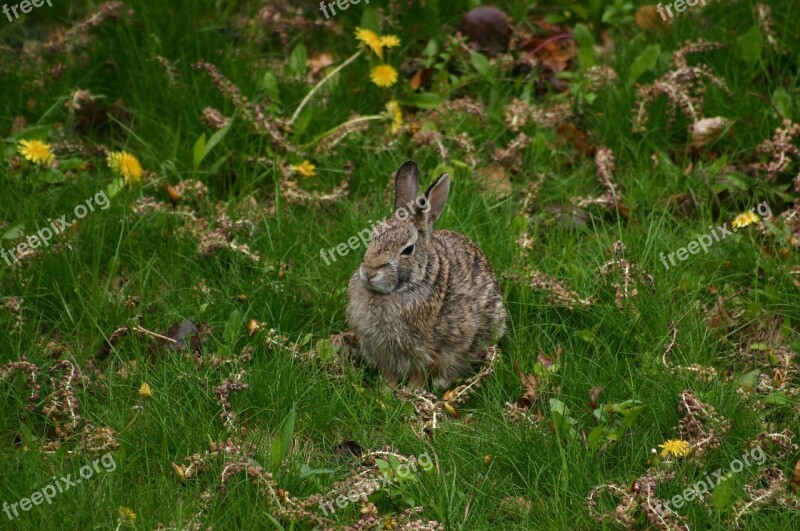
(427, 313)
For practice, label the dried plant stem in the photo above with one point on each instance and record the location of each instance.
(345, 125)
(322, 82)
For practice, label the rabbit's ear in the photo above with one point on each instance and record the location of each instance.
(406, 184)
(437, 196)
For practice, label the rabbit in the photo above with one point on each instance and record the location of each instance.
(423, 301)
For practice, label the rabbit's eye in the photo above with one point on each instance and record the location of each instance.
(408, 250)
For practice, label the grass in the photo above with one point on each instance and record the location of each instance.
(117, 267)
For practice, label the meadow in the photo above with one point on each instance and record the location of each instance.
(194, 162)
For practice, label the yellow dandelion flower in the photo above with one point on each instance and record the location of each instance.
(145, 391)
(305, 168)
(675, 447)
(126, 515)
(390, 41)
(396, 115)
(126, 165)
(37, 152)
(744, 219)
(383, 75)
(371, 39)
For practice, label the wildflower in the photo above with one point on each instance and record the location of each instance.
(37, 152)
(389, 41)
(145, 391)
(371, 39)
(126, 515)
(305, 168)
(744, 219)
(383, 75)
(676, 447)
(126, 165)
(396, 115)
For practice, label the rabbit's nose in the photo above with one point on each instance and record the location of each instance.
(369, 275)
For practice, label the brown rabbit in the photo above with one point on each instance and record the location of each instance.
(423, 301)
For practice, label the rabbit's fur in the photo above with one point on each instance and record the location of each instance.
(423, 312)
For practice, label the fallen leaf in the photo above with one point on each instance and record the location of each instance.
(648, 18)
(173, 193)
(318, 62)
(594, 394)
(531, 383)
(185, 334)
(421, 78)
(180, 471)
(707, 130)
(796, 475)
(569, 135)
(495, 181)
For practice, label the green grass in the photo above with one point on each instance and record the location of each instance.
(76, 292)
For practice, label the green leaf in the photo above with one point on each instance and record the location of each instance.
(280, 447)
(232, 327)
(481, 64)
(585, 41)
(216, 138)
(643, 63)
(270, 84)
(199, 149)
(595, 437)
(115, 187)
(721, 497)
(423, 100)
(634, 413)
(306, 471)
(53, 176)
(13, 233)
(782, 101)
(298, 60)
(750, 45)
(777, 399)
(302, 122)
(383, 465)
(749, 380)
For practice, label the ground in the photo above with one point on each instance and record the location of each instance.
(184, 190)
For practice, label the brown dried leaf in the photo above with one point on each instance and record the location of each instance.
(495, 181)
(173, 193)
(318, 62)
(648, 19)
(707, 130)
(421, 78)
(594, 394)
(531, 383)
(569, 135)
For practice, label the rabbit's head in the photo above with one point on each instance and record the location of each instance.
(400, 247)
